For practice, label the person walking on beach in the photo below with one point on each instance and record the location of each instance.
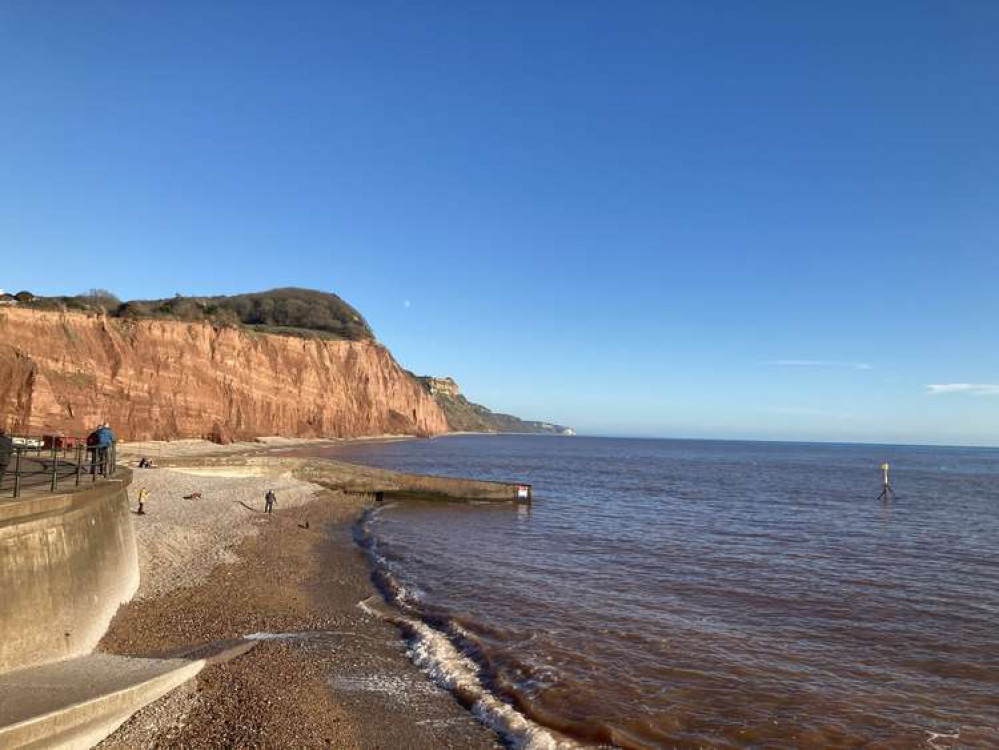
(269, 500)
(143, 496)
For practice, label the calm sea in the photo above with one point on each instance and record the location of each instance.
(677, 593)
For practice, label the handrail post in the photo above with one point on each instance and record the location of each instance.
(55, 466)
(114, 456)
(79, 463)
(17, 473)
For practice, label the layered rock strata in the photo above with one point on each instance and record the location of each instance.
(161, 379)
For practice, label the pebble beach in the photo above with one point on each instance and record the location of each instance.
(326, 673)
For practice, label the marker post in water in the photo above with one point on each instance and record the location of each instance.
(887, 493)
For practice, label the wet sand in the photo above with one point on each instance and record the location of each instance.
(342, 679)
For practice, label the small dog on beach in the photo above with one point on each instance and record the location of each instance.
(193, 496)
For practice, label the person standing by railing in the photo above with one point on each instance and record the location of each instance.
(93, 450)
(99, 447)
(104, 440)
(6, 451)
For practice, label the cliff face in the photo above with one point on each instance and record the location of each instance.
(162, 379)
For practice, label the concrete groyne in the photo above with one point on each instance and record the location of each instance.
(67, 562)
(356, 478)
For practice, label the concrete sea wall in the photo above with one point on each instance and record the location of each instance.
(67, 562)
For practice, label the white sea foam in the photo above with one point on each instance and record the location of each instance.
(278, 636)
(934, 736)
(437, 657)
(398, 687)
(432, 652)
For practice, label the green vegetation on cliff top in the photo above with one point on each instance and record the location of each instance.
(289, 311)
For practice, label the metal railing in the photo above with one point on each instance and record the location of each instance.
(52, 464)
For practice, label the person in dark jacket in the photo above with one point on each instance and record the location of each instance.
(104, 439)
(6, 451)
(93, 449)
(269, 499)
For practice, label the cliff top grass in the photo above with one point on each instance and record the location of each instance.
(304, 313)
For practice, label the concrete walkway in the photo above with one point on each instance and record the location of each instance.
(76, 703)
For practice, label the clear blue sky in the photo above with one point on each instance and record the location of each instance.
(722, 219)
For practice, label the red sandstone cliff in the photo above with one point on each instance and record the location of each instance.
(163, 379)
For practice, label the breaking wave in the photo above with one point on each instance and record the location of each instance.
(440, 658)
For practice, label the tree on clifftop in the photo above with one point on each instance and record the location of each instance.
(102, 298)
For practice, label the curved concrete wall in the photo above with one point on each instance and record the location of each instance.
(67, 562)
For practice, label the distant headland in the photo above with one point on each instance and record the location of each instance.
(465, 416)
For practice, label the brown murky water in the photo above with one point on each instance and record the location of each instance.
(718, 594)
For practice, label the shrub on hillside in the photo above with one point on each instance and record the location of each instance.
(291, 310)
(100, 298)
